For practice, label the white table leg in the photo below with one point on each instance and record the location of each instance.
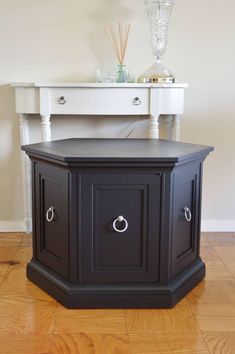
(176, 127)
(45, 128)
(154, 127)
(26, 173)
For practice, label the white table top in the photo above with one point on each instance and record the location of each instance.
(96, 85)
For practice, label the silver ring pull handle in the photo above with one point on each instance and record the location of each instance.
(61, 100)
(50, 214)
(187, 214)
(136, 101)
(120, 219)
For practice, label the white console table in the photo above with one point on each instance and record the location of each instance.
(92, 99)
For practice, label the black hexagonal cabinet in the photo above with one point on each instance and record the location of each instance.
(116, 222)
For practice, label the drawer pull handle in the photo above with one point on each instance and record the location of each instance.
(136, 101)
(50, 214)
(187, 214)
(61, 100)
(120, 219)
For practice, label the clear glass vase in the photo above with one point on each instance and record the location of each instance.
(159, 13)
(122, 73)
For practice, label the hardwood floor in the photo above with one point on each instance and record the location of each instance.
(31, 322)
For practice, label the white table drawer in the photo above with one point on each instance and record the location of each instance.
(99, 101)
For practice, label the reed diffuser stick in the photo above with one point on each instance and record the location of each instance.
(126, 41)
(118, 40)
(111, 42)
(121, 40)
(113, 36)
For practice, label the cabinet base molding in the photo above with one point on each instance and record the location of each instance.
(113, 296)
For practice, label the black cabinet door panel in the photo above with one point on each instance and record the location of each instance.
(112, 256)
(51, 190)
(185, 232)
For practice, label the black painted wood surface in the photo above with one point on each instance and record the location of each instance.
(79, 258)
(142, 150)
(131, 256)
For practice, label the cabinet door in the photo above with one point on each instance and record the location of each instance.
(51, 237)
(110, 256)
(186, 222)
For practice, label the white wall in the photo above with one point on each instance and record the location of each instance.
(63, 40)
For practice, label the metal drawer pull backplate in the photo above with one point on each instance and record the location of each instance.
(187, 214)
(136, 101)
(120, 219)
(50, 214)
(61, 100)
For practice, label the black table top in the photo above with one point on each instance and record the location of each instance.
(111, 150)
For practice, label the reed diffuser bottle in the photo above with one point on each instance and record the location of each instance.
(118, 39)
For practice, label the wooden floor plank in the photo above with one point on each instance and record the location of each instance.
(209, 254)
(192, 343)
(94, 321)
(217, 270)
(224, 309)
(173, 343)
(17, 271)
(220, 239)
(30, 319)
(26, 240)
(214, 292)
(220, 342)
(145, 343)
(7, 254)
(226, 253)
(25, 344)
(11, 238)
(230, 265)
(24, 294)
(215, 317)
(204, 240)
(89, 343)
(177, 320)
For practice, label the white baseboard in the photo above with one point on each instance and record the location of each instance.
(210, 225)
(214, 225)
(12, 226)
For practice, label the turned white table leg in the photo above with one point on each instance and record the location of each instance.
(176, 127)
(26, 173)
(45, 128)
(154, 127)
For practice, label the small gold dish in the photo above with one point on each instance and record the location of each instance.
(156, 79)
